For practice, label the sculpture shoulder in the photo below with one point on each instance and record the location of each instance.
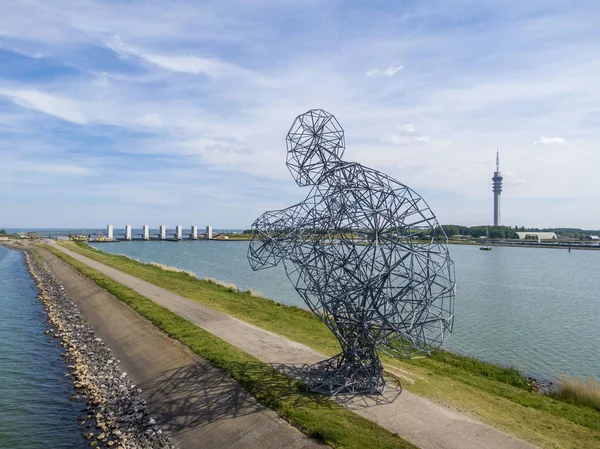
(355, 175)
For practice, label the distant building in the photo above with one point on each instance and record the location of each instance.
(535, 235)
(594, 237)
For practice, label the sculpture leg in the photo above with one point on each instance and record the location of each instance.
(356, 370)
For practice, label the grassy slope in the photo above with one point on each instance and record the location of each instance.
(314, 414)
(496, 395)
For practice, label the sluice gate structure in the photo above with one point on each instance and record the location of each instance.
(146, 234)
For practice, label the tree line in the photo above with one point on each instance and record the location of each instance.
(494, 232)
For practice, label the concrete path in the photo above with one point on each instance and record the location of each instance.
(196, 404)
(414, 418)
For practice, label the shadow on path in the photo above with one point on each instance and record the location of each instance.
(196, 394)
(352, 401)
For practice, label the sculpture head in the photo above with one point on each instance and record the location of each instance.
(315, 143)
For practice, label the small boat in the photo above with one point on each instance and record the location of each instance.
(486, 247)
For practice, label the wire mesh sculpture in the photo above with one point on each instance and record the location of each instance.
(364, 252)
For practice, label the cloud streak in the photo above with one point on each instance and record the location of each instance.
(389, 71)
(406, 135)
(47, 103)
(550, 141)
(176, 63)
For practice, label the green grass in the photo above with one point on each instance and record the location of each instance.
(509, 375)
(315, 415)
(499, 396)
(240, 236)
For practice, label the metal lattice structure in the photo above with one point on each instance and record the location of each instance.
(365, 253)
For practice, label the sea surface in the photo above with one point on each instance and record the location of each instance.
(534, 308)
(35, 407)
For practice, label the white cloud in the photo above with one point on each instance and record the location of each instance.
(26, 171)
(550, 141)
(407, 134)
(152, 195)
(176, 63)
(510, 179)
(52, 104)
(151, 119)
(409, 128)
(56, 169)
(391, 71)
(187, 64)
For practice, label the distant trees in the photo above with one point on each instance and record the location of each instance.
(508, 232)
(2, 232)
(494, 232)
(452, 230)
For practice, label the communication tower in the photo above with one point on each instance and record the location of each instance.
(497, 189)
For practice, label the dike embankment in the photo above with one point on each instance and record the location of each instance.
(114, 414)
(148, 387)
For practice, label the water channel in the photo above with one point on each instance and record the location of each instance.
(35, 406)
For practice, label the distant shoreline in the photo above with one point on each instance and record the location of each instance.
(518, 244)
(557, 245)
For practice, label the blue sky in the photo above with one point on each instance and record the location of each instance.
(176, 112)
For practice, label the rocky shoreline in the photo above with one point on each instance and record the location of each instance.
(113, 413)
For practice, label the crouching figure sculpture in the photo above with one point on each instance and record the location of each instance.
(366, 254)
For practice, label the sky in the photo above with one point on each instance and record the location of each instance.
(155, 112)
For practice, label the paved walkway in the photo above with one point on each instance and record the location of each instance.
(196, 404)
(414, 418)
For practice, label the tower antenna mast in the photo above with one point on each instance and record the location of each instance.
(497, 189)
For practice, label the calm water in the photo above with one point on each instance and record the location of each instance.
(35, 410)
(535, 308)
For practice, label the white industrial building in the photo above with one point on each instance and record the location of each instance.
(535, 235)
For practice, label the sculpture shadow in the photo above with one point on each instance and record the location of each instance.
(199, 394)
(193, 395)
(349, 400)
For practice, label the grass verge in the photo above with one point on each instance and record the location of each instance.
(315, 415)
(499, 396)
(579, 390)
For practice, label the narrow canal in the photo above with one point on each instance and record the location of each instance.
(35, 407)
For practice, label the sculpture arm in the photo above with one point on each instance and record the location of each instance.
(274, 235)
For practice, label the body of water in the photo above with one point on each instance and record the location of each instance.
(35, 406)
(535, 308)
